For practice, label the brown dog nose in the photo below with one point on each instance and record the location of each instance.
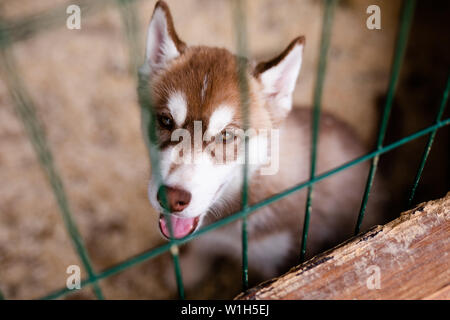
(177, 199)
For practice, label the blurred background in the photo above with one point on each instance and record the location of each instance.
(86, 100)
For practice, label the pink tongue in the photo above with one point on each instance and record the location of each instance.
(181, 227)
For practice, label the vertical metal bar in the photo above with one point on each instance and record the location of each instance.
(132, 32)
(149, 124)
(324, 45)
(26, 110)
(427, 150)
(239, 18)
(400, 48)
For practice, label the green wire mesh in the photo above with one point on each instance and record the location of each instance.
(399, 53)
(14, 31)
(427, 150)
(25, 109)
(241, 32)
(132, 33)
(324, 44)
(152, 253)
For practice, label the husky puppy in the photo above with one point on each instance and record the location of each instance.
(198, 106)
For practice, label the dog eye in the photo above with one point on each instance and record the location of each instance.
(227, 136)
(165, 121)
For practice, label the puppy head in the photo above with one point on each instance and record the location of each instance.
(196, 94)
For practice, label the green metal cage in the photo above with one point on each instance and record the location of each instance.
(14, 31)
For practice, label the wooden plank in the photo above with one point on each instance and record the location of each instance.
(408, 258)
(443, 294)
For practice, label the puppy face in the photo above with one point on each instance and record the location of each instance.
(200, 124)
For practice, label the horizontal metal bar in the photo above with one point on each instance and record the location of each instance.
(238, 215)
(27, 27)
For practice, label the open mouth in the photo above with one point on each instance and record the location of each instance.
(181, 226)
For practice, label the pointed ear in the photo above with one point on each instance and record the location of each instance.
(279, 75)
(163, 43)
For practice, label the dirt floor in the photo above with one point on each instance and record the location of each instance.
(86, 99)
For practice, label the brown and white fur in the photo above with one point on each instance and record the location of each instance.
(201, 84)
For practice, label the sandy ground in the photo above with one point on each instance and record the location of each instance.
(85, 98)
